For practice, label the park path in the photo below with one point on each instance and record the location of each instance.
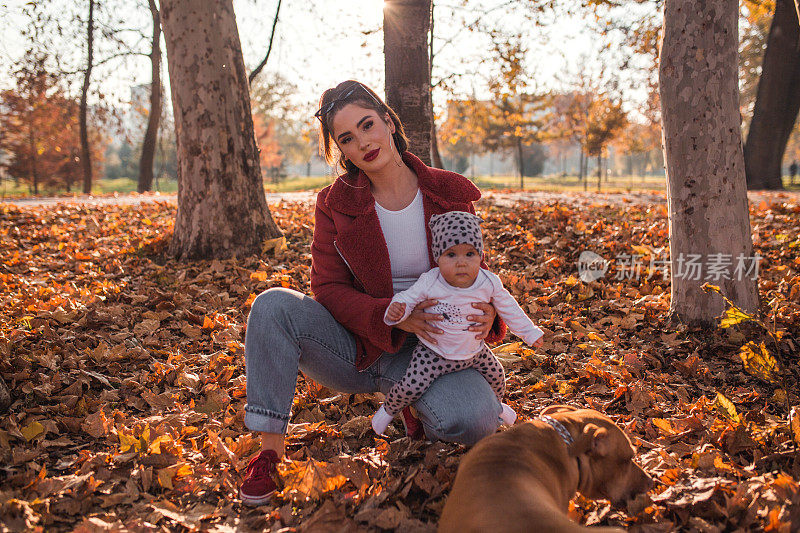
(581, 198)
(501, 198)
(135, 199)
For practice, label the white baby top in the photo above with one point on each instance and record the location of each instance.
(404, 232)
(455, 304)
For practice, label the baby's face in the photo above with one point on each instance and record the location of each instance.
(459, 265)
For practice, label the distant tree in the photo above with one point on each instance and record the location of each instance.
(41, 128)
(222, 209)
(637, 142)
(86, 153)
(559, 149)
(572, 118)
(458, 162)
(517, 116)
(777, 102)
(590, 115)
(269, 150)
(408, 77)
(25, 121)
(127, 163)
(605, 121)
(167, 153)
(534, 157)
(299, 142)
(154, 113)
(754, 27)
(706, 190)
(769, 72)
(271, 95)
(793, 146)
(281, 137)
(464, 132)
(80, 38)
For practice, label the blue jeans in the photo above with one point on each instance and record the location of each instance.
(287, 331)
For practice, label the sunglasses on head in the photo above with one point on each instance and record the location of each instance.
(324, 110)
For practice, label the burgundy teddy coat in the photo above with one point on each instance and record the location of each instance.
(350, 271)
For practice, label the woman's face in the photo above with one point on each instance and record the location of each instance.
(364, 137)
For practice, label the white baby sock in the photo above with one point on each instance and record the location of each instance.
(507, 415)
(381, 420)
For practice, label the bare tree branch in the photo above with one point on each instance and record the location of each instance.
(103, 62)
(255, 72)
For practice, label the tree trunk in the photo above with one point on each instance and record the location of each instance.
(151, 134)
(520, 164)
(86, 157)
(408, 79)
(472, 165)
(436, 157)
(599, 171)
(706, 194)
(585, 170)
(32, 147)
(777, 101)
(222, 209)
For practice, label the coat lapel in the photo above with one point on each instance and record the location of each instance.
(364, 249)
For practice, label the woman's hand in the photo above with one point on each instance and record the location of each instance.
(420, 323)
(483, 322)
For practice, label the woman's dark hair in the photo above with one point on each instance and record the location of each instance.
(352, 92)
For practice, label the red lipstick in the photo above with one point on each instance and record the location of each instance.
(372, 154)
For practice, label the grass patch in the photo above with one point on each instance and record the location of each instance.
(552, 183)
(8, 189)
(299, 183)
(558, 183)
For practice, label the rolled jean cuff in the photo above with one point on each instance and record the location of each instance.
(259, 419)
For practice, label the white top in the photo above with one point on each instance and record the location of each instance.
(404, 232)
(455, 304)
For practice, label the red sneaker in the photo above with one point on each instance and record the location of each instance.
(259, 479)
(413, 426)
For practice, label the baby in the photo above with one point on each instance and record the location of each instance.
(457, 282)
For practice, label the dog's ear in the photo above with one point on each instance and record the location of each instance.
(592, 440)
(600, 443)
(552, 409)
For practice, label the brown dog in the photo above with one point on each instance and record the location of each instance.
(522, 479)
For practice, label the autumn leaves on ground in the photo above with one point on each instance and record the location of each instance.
(127, 375)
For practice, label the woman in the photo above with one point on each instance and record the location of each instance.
(371, 239)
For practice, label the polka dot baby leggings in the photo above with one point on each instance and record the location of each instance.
(426, 365)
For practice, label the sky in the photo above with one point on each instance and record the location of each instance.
(322, 42)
